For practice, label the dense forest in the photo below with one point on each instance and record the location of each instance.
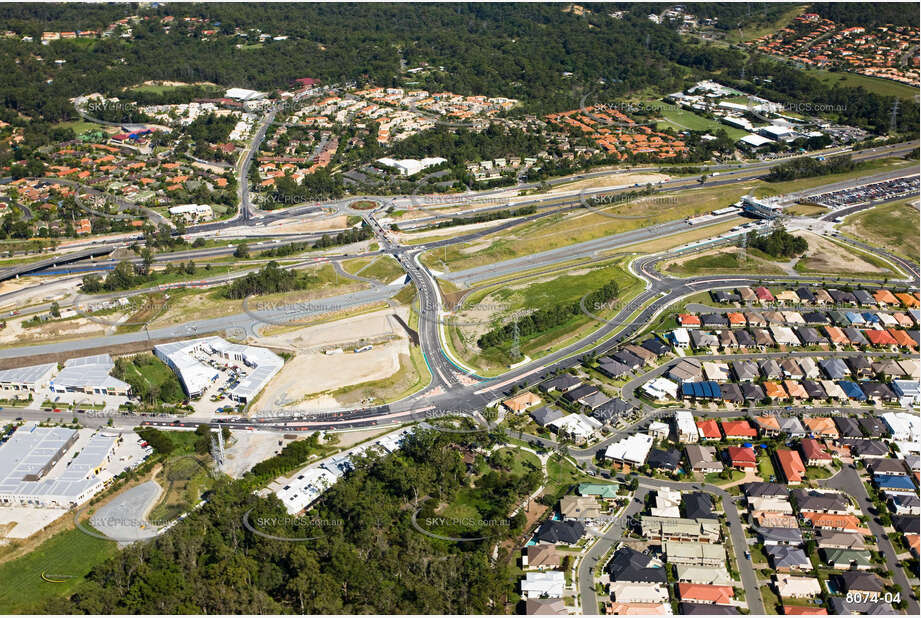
(779, 243)
(368, 558)
(271, 279)
(537, 53)
(546, 318)
(807, 167)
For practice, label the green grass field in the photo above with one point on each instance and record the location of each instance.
(725, 261)
(69, 555)
(885, 87)
(382, 268)
(893, 227)
(682, 119)
(769, 189)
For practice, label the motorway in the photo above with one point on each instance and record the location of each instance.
(453, 389)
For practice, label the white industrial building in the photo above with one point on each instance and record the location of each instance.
(192, 212)
(409, 167)
(29, 463)
(242, 94)
(29, 378)
(303, 489)
(90, 375)
(631, 451)
(191, 360)
(685, 427)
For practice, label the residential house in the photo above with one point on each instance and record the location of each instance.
(787, 558)
(702, 459)
(794, 587)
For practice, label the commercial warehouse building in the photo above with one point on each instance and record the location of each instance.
(32, 452)
(90, 375)
(196, 363)
(27, 379)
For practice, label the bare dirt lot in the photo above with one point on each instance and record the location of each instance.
(312, 372)
(826, 256)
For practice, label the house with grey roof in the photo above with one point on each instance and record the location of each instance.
(544, 415)
(848, 427)
(770, 369)
(854, 336)
(792, 426)
(779, 536)
(751, 391)
(786, 558)
(834, 368)
(745, 370)
(744, 339)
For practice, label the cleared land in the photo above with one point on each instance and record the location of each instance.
(499, 304)
(333, 374)
(564, 229)
(885, 87)
(383, 268)
(893, 227)
(825, 256)
(726, 260)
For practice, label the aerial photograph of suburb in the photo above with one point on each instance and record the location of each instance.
(460, 308)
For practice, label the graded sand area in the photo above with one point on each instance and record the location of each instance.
(826, 256)
(313, 372)
(21, 522)
(247, 448)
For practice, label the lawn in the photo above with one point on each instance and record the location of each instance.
(382, 268)
(725, 260)
(806, 210)
(682, 119)
(68, 555)
(884, 87)
(893, 227)
(517, 462)
(565, 229)
(765, 467)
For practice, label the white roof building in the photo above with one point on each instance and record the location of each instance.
(784, 335)
(755, 141)
(716, 371)
(658, 430)
(27, 378)
(409, 167)
(631, 450)
(685, 427)
(661, 388)
(192, 210)
(580, 426)
(681, 338)
(668, 503)
(904, 426)
(908, 392)
(242, 94)
(189, 360)
(548, 584)
(32, 452)
(89, 374)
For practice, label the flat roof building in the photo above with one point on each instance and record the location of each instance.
(90, 375)
(189, 359)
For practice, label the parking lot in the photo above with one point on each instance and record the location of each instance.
(875, 192)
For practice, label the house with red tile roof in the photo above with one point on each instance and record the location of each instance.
(884, 298)
(764, 294)
(791, 465)
(738, 430)
(814, 453)
(735, 318)
(741, 457)
(709, 429)
(688, 320)
(705, 593)
(879, 338)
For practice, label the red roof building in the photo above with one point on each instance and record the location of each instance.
(738, 430)
(813, 452)
(764, 294)
(791, 465)
(742, 457)
(705, 593)
(709, 429)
